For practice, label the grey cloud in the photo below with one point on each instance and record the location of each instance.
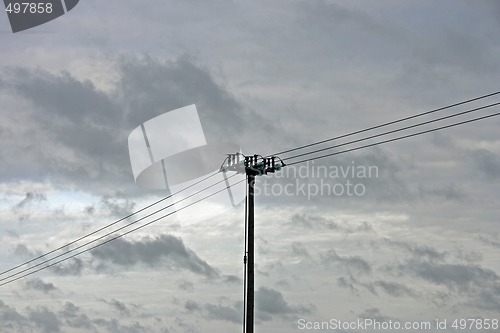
(114, 326)
(73, 317)
(417, 251)
(221, 312)
(23, 251)
(346, 30)
(231, 279)
(487, 163)
(318, 222)
(394, 288)
(121, 307)
(448, 192)
(155, 87)
(231, 313)
(11, 320)
(374, 313)
(165, 249)
(348, 283)
(45, 319)
(79, 133)
(192, 306)
(350, 262)
(299, 249)
(80, 126)
(117, 207)
(89, 210)
(31, 198)
(39, 285)
(354, 285)
(185, 285)
(26, 207)
(73, 266)
(452, 275)
(270, 302)
(487, 299)
(490, 241)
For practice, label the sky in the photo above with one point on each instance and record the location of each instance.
(414, 238)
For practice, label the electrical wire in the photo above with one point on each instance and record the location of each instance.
(118, 236)
(106, 226)
(288, 164)
(387, 124)
(396, 139)
(110, 233)
(395, 131)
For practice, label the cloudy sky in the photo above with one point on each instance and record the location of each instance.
(419, 241)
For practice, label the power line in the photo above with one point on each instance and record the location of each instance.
(388, 123)
(290, 150)
(396, 139)
(109, 233)
(395, 131)
(105, 227)
(119, 236)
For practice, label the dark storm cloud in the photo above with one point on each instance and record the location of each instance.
(155, 88)
(76, 126)
(39, 285)
(78, 133)
(165, 249)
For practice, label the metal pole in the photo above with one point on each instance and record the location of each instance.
(250, 262)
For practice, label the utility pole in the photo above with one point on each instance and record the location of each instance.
(252, 166)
